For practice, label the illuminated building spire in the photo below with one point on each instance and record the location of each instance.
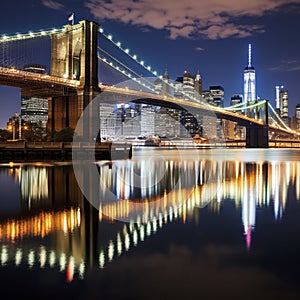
(249, 55)
(249, 79)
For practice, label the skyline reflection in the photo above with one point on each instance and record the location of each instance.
(57, 227)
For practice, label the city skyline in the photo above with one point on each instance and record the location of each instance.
(216, 44)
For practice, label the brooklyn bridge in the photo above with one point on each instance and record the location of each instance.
(73, 83)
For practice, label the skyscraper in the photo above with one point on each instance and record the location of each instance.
(34, 109)
(284, 105)
(297, 116)
(249, 79)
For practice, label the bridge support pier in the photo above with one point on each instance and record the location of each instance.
(257, 136)
(74, 56)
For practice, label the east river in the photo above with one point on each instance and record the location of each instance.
(167, 224)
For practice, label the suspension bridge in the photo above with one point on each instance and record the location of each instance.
(74, 53)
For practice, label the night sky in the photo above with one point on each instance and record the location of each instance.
(209, 36)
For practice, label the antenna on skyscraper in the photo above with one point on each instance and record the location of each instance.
(249, 55)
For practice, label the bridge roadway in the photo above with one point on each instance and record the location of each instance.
(47, 85)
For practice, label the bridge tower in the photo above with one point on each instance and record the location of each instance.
(74, 56)
(257, 136)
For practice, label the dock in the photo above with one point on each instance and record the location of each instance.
(62, 151)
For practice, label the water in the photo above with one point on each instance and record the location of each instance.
(172, 224)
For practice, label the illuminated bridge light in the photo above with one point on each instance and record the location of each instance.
(135, 238)
(101, 260)
(101, 30)
(118, 44)
(109, 37)
(119, 244)
(62, 262)
(81, 269)
(111, 250)
(134, 57)
(42, 257)
(31, 258)
(148, 229)
(126, 51)
(142, 233)
(52, 259)
(18, 257)
(142, 62)
(127, 242)
(70, 269)
(4, 256)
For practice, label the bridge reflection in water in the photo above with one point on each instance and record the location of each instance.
(56, 226)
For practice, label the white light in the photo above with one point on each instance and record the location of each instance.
(18, 35)
(149, 68)
(18, 257)
(134, 56)
(31, 258)
(52, 259)
(30, 33)
(4, 37)
(118, 44)
(135, 238)
(155, 73)
(148, 229)
(4, 255)
(127, 51)
(142, 62)
(101, 30)
(101, 260)
(62, 261)
(119, 244)
(111, 251)
(109, 37)
(42, 257)
(81, 270)
(54, 30)
(127, 242)
(43, 33)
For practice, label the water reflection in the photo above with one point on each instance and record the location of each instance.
(57, 228)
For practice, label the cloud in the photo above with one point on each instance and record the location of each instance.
(287, 66)
(199, 49)
(216, 19)
(53, 4)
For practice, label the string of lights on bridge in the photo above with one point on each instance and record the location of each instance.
(23, 36)
(30, 35)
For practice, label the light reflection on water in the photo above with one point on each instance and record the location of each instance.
(55, 227)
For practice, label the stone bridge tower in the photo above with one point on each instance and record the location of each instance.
(74, 56)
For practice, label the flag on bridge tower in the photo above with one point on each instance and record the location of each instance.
(71, 18)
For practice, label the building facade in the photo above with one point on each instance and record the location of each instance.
(34, 109)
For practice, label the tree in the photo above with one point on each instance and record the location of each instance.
(5, 135)
(65, 135)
